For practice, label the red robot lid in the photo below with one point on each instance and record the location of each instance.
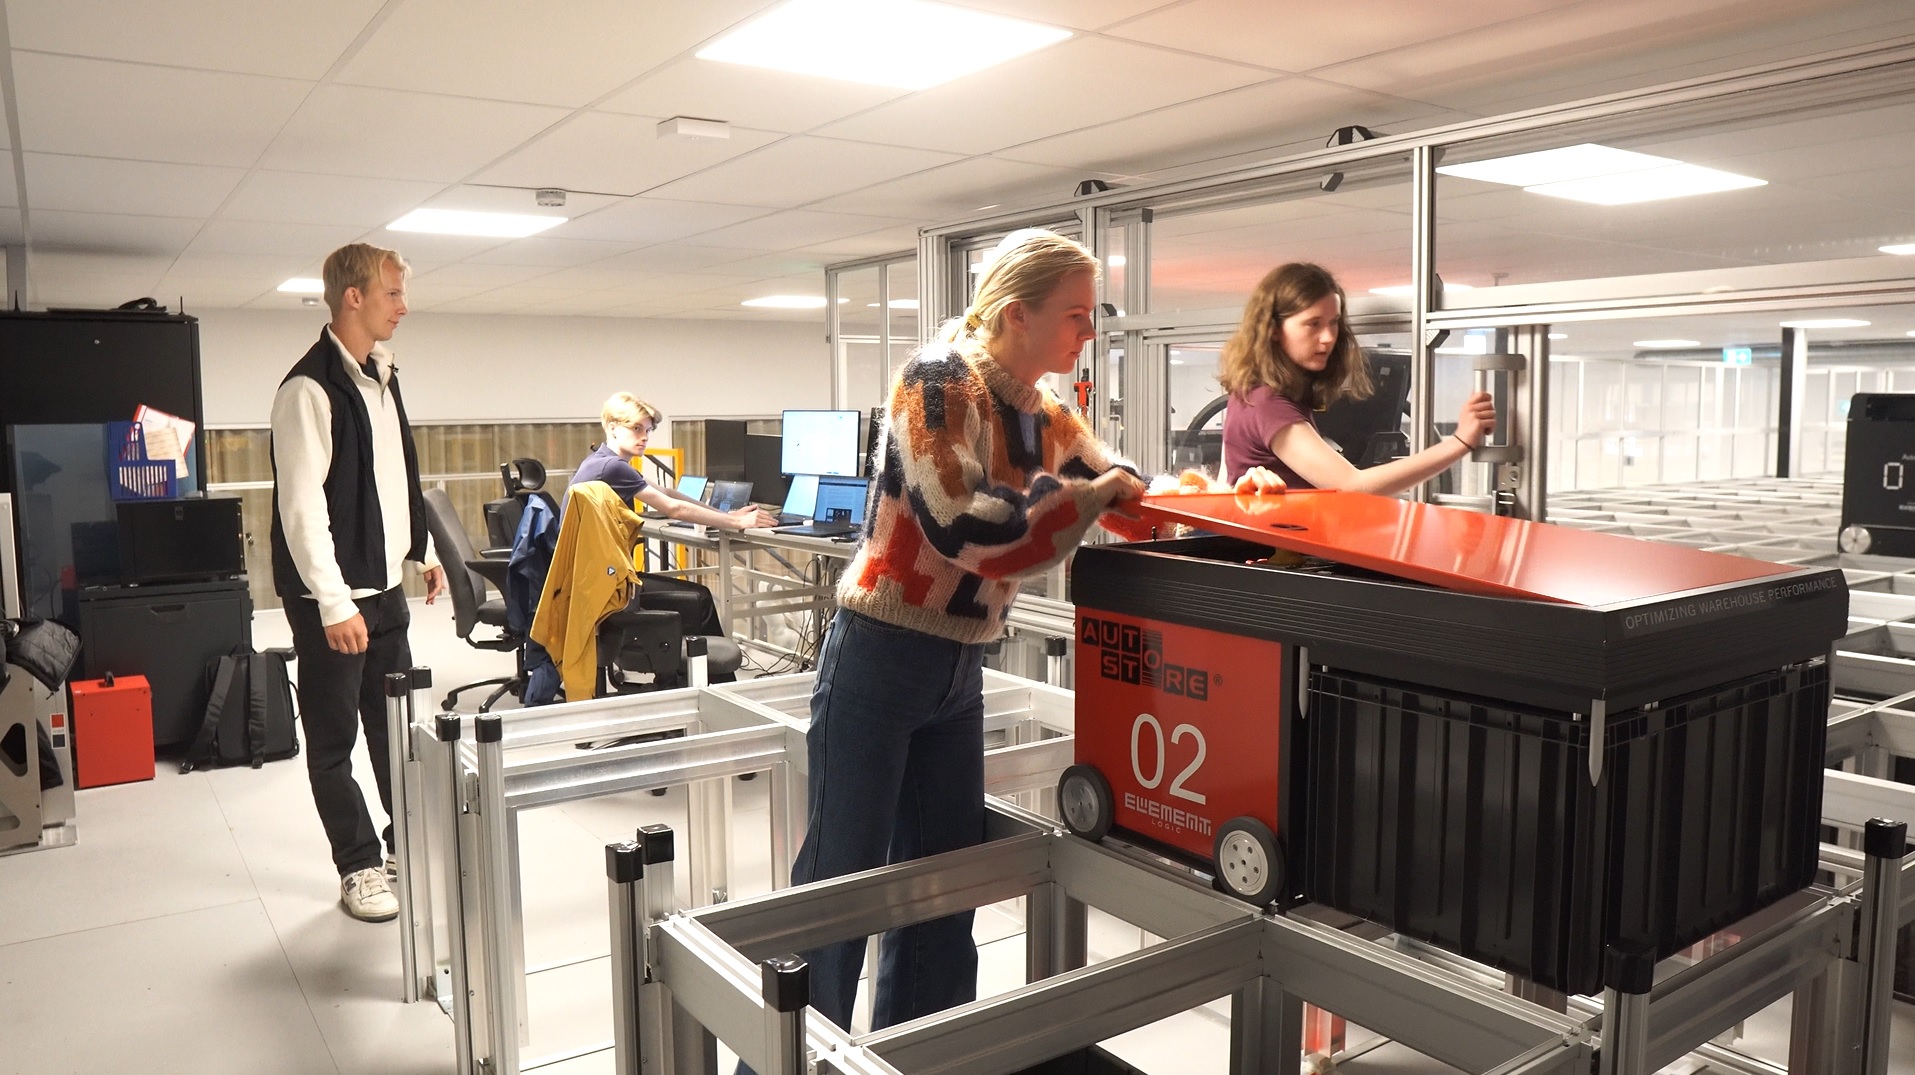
(1466, 551)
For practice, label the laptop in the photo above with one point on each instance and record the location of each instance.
(801, 500)
(692, 485)
(730, 496)
(839, 511)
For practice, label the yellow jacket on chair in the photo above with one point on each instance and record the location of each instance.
(592, 576)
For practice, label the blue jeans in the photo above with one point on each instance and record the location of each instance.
(896, 751)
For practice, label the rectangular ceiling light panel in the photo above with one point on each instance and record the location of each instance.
(910, 44)
(1601, 175)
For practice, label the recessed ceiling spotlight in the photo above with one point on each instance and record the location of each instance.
(467, 222)
(1826, 322)
(880, 42)
(787, 302)
(1666, 343)
(304, 285)
(308, 301)
(1898, 248)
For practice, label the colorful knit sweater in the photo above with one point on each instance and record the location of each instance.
(982, 480)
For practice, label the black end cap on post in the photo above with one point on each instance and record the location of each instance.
(1882, 838)
(658, 843)
(1629, 968)
(787, 983)
(447, 727)
(696, 646)
(490, 729)
(397, 684)
(1055, 645)
(421, 678)
(624, 862)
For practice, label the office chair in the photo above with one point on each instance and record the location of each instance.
(522, 478)
(648, 637)
(470, 608)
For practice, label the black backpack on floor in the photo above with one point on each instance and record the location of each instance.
(250, 716)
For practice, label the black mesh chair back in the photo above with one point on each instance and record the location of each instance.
(455, 548)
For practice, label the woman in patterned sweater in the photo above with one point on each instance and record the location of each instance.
(982, 479)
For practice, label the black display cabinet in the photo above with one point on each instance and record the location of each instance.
(166, 633)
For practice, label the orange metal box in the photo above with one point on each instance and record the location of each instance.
(112, 731)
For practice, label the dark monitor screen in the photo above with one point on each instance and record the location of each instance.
(730, 496)
(763, 453)
(841, 500)
(821, 442)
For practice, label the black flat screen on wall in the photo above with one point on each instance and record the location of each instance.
(71, 368)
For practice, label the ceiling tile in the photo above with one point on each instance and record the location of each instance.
(471, 274)
(548, 251)
(93, 185)
(290, 38)
(614, 154)
(265, 270)
(1081, 82)
(102, 108)
(657, 220)
(512, 51)
(90, 290)
(795, 228)
(61, 262)
(956, 190)
(188, 293)
(1306, 37)
(801, 169)
(107, 231)
(311, 242)
(1071, 14)
(497, 199)
(747, 96)
(421, 249)
(352, 130)
(1261, 117)
(306, 198)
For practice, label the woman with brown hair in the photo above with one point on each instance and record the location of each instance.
(1293, 356)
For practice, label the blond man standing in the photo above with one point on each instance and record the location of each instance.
(346, 514)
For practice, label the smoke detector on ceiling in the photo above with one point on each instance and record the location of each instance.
(549, 197)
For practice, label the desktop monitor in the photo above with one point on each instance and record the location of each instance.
(841, 499)
(693, 485)
(725, 449)
(802, 498)
(730, 496)
(763, 467)
(821, 442)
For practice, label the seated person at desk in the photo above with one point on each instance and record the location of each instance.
(1293, 355)
(628, 423)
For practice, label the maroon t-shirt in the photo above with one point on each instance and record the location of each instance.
(1250, 419)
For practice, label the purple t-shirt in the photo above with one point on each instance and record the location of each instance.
(1250, 419)
(604, 465)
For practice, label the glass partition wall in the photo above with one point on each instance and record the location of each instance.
(1697, 276)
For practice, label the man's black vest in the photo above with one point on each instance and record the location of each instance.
(352, 497)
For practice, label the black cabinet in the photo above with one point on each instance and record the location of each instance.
(166, 633)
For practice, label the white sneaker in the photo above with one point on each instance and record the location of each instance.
(367, 896)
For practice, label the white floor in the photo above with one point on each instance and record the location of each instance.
(196, 928)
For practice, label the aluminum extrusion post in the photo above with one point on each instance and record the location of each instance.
(1040, 932)
(783, 838)
(787, 983)
(398, 725)
(1820, 1014)
(697, 661)
(1629, 973)
(410, 825)
(1266, 1029)
(495, 932)
(447, 729)
(1883, 842)
(1055, 647)
(625, 895)
(710, 815)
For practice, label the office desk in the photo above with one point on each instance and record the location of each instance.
(738, 561)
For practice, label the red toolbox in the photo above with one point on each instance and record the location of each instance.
(1515, 741)
(112, 730)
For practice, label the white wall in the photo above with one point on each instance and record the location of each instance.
(476, 367)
